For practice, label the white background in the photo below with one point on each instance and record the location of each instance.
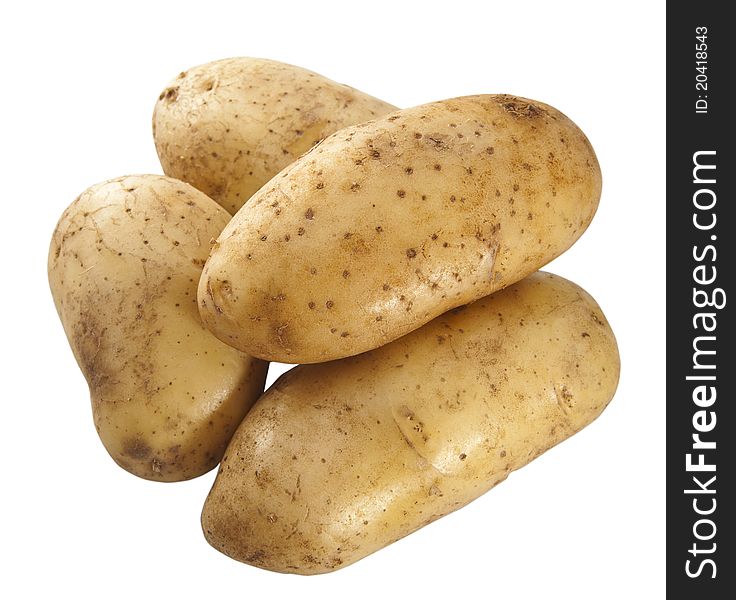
(78, 82)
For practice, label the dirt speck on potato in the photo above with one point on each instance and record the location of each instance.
(136, 448)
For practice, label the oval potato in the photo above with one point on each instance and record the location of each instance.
(124, 263)
(229, 126)
(388, 224)
(340, 459)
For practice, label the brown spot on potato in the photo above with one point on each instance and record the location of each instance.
(170, 94)
(521, 109)
(564, 398)
(136, 448)
(438, 141)
(257, 557)
(309, 214)
(281, 335)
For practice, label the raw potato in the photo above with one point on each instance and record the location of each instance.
(229, 126)
(340, 459)
(386, 225)
(123, 267)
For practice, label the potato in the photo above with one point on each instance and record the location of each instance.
(338, 460)
(123, 267)
(228, 126)
(386, 225)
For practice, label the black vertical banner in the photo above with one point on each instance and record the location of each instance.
(701, 298)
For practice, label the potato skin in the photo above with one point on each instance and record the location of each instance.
(229, 126)
(389, 224)
(123, 267)
(338, 460)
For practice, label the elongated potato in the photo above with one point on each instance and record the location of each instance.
(123, 267)
(388, 224)
(228, 126)
(340, 459)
